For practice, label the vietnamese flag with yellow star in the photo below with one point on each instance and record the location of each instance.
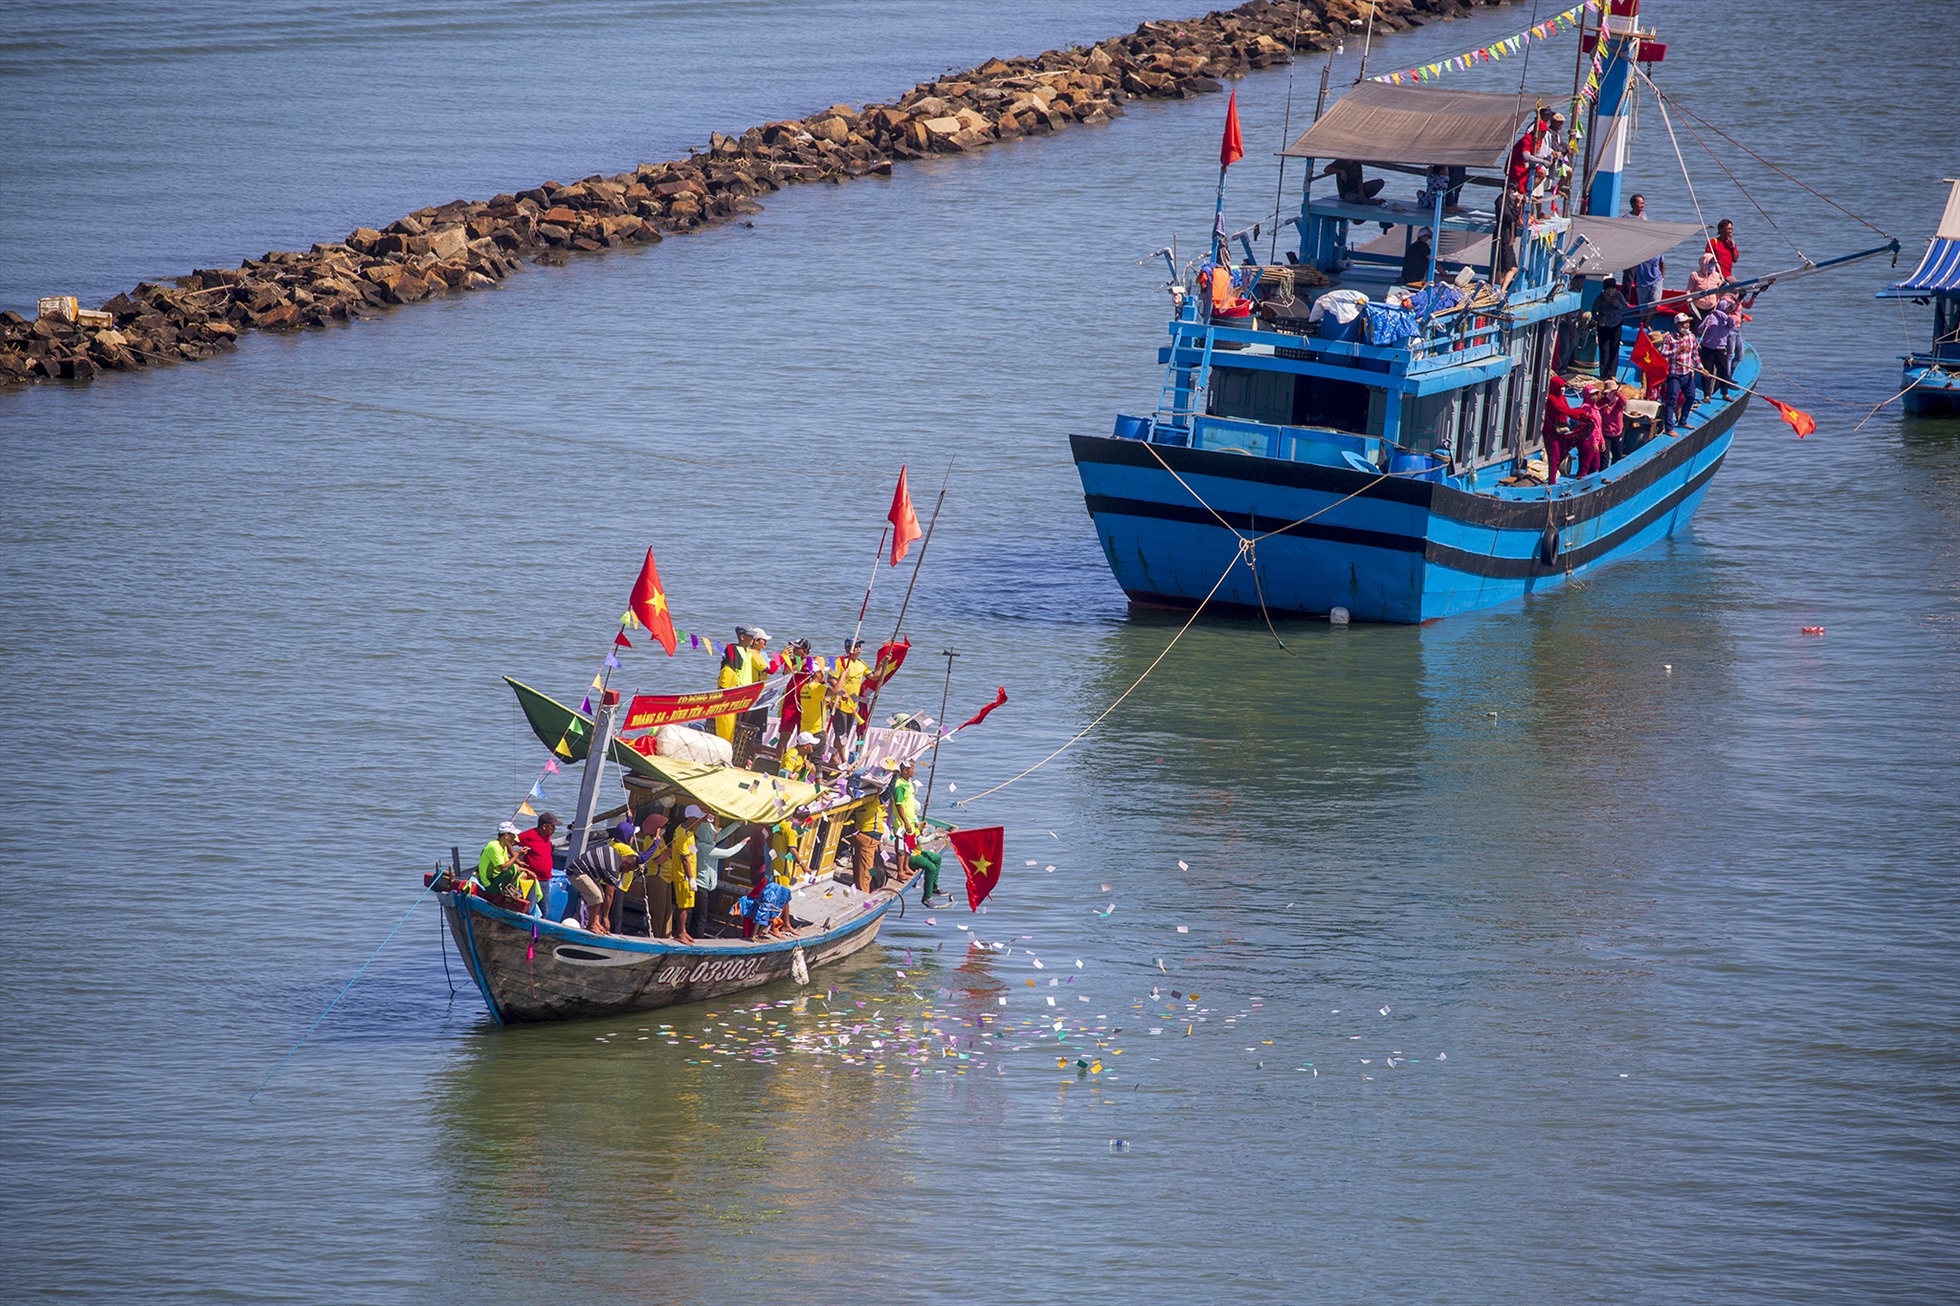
(649, 604)
(980, 853)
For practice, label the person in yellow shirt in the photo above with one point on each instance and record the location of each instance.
(679, 870)
(846, 685)
(812, 700)
(800, 758)
(867, 832)
(745, 662)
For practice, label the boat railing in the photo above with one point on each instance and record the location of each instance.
(1447, 341)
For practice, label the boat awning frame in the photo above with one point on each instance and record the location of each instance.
(1609, 246)
(1938, 272)
(1422, 126)
(728, 791)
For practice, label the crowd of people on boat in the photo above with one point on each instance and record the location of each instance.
(667, 863)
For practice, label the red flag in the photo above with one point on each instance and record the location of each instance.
(1231, 149)
(980, 853)
(890, 658)
(649, 604)
(981, 715)
(1651, 362)
(905, 522)
(621, 641)
(1800, 421)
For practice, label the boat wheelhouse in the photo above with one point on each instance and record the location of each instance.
(1357, 446)
(1932, 377)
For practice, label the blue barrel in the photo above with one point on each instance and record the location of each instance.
(554, 898)
(1415, 466)
(1132, 428)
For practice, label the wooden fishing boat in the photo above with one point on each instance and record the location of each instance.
(533, 967)
(1932, 378)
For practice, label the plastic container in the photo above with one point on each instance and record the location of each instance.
(1415, 467)
(1330, 328)
(1133, 428)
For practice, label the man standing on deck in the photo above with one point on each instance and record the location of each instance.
(1645, 279)
(867, 832)
(743, 663)
(1722, 246)
(1682, 352)
(1609, 312)
(846, 683)
(534, 847)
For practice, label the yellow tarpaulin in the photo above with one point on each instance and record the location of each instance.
(728, 791)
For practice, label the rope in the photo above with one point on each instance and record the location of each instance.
(1744, 189)
(1687, 113)
(1668, 123)
(1244, 548)
(350, 984)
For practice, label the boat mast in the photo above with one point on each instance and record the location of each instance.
(1606, 149)
(597, 749)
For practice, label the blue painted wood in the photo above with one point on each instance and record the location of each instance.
(1387, 548)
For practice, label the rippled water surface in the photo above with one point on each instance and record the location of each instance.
(1595, 949)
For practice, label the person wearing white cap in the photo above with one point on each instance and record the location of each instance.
(679, 871)
(742, 663)
(799, 759)
(496, 865)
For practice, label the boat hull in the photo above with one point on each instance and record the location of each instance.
(533, 970)
(1930, 392)
(1388, 549)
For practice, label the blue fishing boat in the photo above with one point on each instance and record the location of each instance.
(1932, 379)
(1367, 440)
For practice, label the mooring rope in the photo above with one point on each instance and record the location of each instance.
(344, 988)
(1244, 547)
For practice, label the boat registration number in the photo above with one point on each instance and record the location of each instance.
(709, 972)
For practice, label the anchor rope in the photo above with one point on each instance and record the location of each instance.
(345, 987)
(1078, 736)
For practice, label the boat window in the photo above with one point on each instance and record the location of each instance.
(1428, 421)
(1253, 395)
(1337, 405)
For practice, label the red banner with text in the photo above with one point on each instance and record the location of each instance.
(650, 710)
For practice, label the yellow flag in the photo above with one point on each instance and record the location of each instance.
(598, 682)
(525, 809)
(560, 749)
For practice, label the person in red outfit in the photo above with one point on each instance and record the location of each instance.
(1722, 246)
(534, 847)
(1611, 405)
(1566, 425)
(1592, 441)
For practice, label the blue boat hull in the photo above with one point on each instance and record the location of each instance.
(1931, 392)
(1388, 549)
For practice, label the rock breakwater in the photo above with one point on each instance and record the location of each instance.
(473, 244)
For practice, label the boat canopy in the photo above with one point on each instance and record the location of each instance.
(1939, 271)
(728, 791)
(1609, 246)
(1422, 126)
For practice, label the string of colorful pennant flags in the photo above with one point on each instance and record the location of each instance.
(1495, 51)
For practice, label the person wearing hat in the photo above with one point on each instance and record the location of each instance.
(534, 850)
(1682, 352)
(1611, 404)
(905, 805)
(742, 663)
(597, 874)
(800, 758)
(1592, 441)
(497, 869)
(867, 833)
(1609, 312)
(678, 869)
(708, 857)
(846, 684)
(1717, 338)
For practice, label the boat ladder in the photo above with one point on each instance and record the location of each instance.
(1179, 405)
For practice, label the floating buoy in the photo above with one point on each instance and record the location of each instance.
(1337, 616)
(1813, 630)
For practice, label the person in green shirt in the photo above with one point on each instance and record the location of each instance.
(497, 866)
